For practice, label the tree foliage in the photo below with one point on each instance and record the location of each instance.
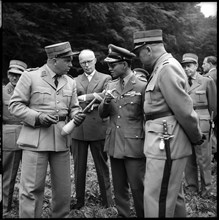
(29, 27)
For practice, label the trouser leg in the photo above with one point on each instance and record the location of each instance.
(61, 183)
(10, 162)
(135, 168)
(32, 183)
(121, 187)
(101, 164)
(80, 151)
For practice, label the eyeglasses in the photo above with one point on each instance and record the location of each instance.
(88, 62)
(112, 65)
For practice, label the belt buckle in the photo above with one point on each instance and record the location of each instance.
(57, 117)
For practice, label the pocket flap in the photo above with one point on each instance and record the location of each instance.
(67, 92)
(43, 90)
(150, 87)
(158, 127)
(135, 133)
(200, 92)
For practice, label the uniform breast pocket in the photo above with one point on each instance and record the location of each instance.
(41, 95)
(133, 103)
(201, 96)
(67, 94)
(204, 123)
(9, 138)
(152, 94)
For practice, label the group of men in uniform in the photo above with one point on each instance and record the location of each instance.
(155, 129)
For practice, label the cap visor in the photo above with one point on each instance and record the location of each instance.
(110, 60)
(15, 71)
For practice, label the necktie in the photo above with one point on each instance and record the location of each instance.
(89, 77)
(56, 80)
(190, 80)
(122, 83)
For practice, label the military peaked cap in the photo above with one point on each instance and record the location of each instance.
(145, 37)
(189, 58)
(117, 54)
(17, 66)
(59, 50)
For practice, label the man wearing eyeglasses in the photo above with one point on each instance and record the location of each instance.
(123, 103)
(92, 132)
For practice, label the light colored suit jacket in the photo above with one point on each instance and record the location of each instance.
(125, 132)
(36, 92)
(93, 128)
(167, 92)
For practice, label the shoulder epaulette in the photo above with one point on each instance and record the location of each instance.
(166, 62)
(113, 80)
(32, 69)
(70, 76)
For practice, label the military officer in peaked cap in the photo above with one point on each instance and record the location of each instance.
(123, 103)
(204, 95)
(11, 128)
(44, 99)
(171, 126)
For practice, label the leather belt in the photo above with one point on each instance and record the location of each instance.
(200, 107)
(60, 118)
(12, 123)
(158, 115)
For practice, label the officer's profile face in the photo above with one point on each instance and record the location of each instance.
(13, 78)
(190, 68)
(144, 55)
(116, 69)
(62, 65)
(206, 66)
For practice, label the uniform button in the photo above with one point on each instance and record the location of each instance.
(119, 116)
(57, 93)
(136, 136)
(117, 126)
(57, 101)
(121, 97)
(120, 106)
(57, 110)
(131, 102)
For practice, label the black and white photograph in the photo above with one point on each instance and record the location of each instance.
(108, 109)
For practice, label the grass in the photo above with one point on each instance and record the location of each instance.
(195, 205)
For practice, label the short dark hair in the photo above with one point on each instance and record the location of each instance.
(212, 59)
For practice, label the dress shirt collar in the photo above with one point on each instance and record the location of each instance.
(126, 79)
(212, 69)
(90, 76)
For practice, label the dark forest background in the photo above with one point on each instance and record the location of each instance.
(28, 27)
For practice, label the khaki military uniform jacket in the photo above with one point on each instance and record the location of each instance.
(11, 125)
(204, 95)
(125, 133)
(93, 127)
(167, 92)
(36, 92)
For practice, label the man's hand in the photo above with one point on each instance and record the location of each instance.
(82, 98)
(45, 120)
(200, 141)
(109, 96)
(79, 118)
